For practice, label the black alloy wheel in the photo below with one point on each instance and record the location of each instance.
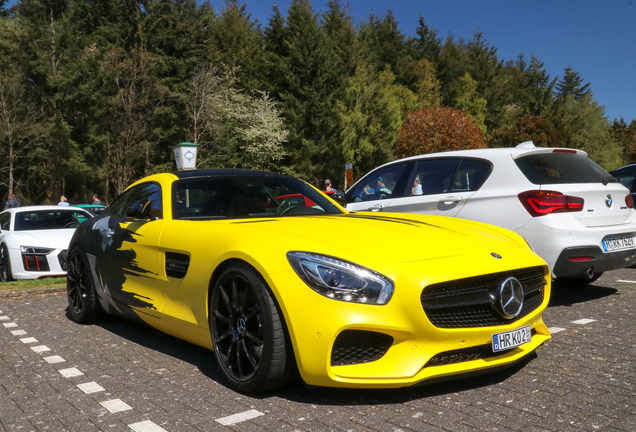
(5, 264)
(83, 306)
(250, 340)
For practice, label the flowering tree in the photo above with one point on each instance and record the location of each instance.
(438, 129)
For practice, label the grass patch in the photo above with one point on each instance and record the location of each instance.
(28, 284)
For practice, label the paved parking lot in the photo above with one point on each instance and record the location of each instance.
(56, 375)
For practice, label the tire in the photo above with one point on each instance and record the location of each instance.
(5, 264)
(83, 306)
(250, 340)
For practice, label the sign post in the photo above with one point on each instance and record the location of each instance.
(185, 154)
(348, 175)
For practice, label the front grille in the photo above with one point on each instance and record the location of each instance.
(466, 354)
(62, 259)
(35, 262)
(463, 311)
(359, 346)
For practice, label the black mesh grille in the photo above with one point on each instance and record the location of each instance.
(480, 315)
(62, 259)
(359, 346)
(35, 262)
(466, 354)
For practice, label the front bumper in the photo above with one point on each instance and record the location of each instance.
(397, 345)
(36, 266)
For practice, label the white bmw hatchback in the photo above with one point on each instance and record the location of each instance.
(33, 240)
(573, 213)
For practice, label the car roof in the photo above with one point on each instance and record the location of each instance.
(222, 172)
(626, 167)
(41, 207)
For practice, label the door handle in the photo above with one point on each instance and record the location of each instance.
(377, 207)
(108, 233)
(450, 200)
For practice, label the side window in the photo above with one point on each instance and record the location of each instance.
(471, 175)
(380, 184)
(432, 176)
(145, 196)
(626, 179)
(5, 221)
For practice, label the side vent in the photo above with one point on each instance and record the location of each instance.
(177, 264)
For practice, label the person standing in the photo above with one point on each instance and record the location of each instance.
(328, 187)
(63, 201)
(96, 200)
(12, 202)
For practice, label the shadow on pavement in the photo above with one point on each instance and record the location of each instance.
(205, 361)
(568, 294)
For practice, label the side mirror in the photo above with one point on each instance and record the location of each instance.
(339, 197)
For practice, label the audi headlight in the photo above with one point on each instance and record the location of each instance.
(35, 250)
(341, 280)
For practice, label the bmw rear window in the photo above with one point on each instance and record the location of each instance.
(560, 168)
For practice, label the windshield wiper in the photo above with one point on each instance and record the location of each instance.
(609, 179)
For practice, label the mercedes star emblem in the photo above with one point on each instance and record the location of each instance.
(511, 297)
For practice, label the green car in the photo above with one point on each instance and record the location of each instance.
(92, 208)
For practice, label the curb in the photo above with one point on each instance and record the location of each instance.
(30, 292)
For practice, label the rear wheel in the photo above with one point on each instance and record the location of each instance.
(5, 264)
(83, 306)
(249, 337)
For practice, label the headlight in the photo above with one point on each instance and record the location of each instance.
(341, 280)
(35, 250)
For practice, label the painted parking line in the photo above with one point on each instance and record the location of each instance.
(583, 321)
(556, 329)
(70, 372)
(90, 387)
(240, 417)
(626, 281)
(146, 426)
(115, 405)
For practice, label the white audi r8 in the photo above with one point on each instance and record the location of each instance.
(33, 240)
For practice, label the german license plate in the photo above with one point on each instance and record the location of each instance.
(617, 243)
(511, 339)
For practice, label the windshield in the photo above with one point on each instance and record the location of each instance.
(49, 219)
(258, 196)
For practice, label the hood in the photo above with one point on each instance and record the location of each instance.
(386, 238)
(56, 239)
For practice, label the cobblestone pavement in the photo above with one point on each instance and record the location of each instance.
(56, 375)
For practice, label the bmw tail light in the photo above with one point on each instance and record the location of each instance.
(541, 203)
(629, 200)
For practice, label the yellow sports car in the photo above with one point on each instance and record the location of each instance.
(277, 278)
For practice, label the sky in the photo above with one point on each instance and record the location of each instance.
(597, 38)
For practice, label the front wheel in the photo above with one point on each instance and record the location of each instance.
(249, 337)
(5, 264)
(83, 306)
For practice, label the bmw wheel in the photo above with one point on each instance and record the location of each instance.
(250, 341)
(5, 264)
(83, 306)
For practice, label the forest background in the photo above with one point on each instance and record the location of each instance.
(94, 94)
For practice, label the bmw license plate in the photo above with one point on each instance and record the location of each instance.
(617, 243)
(511, 339)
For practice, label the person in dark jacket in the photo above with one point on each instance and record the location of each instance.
(12, 202)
